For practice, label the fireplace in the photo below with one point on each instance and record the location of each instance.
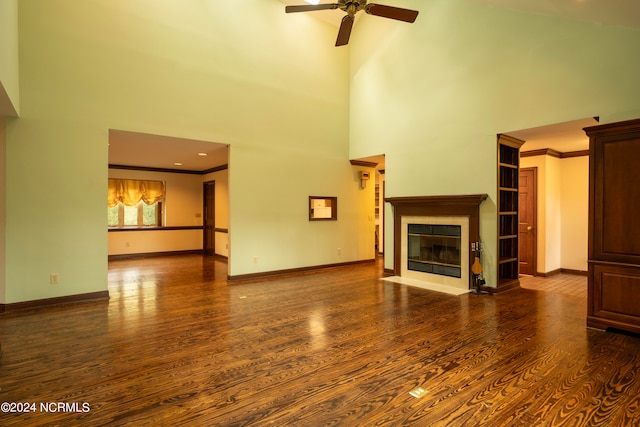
(434, 248)
(432, 238)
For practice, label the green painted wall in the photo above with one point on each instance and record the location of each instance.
(433, 95)
(269, 84)
(9, 80)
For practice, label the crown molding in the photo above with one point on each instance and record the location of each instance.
(554, 153)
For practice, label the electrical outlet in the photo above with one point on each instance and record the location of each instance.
(127, 244)
(339, 251)
(255, 259)
(54, 278)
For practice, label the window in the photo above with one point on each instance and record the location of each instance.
(135, 203)
(140, 215)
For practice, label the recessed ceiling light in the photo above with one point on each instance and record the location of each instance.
(177, 164)
(313, 1)
(202, 154)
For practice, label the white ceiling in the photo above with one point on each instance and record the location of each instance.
(155, 151)
(563, 137)
(333, 17)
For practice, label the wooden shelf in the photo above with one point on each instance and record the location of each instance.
(508, 187)
(507, 165)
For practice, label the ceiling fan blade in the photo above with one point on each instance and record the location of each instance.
(345, 30)
(398, 13)
(310, 7)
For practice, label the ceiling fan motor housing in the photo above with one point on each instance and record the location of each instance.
(351, 7)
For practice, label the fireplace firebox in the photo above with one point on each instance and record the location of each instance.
(434, 248)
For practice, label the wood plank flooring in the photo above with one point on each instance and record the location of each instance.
(177, 345)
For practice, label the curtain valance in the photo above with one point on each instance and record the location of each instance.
(131, 191)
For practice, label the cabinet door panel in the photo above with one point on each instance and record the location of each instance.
(621, 198)
(615, 294)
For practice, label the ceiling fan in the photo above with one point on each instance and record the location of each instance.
(354, 6)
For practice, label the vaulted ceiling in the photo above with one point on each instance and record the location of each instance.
(126, 147)
(625, 13)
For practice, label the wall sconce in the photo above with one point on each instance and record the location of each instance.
(364, 177)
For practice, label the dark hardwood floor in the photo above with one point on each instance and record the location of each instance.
(177, 345)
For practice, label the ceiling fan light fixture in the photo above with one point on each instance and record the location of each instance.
(313, 1)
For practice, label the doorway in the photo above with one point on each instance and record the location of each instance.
(209, 222)
(141, 156)
(560, 154)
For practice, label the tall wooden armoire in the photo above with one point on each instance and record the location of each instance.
(614, 226)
